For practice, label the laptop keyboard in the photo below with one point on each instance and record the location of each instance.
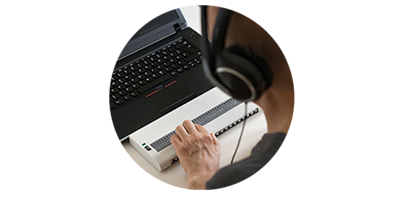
(145, 73)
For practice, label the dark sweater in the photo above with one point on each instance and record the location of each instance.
(260, 155)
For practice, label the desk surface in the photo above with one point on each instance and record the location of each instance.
(175, 175)
(254, 129)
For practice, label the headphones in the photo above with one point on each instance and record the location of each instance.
(244, 77)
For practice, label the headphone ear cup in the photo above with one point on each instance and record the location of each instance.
(236, 74)
(262, 64)
(242, 74)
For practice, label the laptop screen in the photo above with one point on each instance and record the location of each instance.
(153, 31)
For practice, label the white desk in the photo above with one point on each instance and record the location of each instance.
(255, 127)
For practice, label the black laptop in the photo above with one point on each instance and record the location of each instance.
(158, 71)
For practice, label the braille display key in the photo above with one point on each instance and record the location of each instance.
(202, 120)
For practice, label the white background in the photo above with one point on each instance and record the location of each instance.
(59, 151)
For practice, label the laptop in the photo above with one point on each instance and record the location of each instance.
(158, 82)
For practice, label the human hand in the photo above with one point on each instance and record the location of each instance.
(198, 152)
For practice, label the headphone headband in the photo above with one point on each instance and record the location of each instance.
(221, 26)
(219, 33)
(236, 73)
(205, 44)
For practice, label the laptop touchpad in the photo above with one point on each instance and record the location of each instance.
(169, 96)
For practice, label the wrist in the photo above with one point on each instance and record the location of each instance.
(195, 185)
(198, 182)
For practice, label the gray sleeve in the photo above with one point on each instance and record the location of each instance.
(261, 154)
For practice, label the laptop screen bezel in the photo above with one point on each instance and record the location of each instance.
(153, 36)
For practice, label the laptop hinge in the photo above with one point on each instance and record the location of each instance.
(177, 27)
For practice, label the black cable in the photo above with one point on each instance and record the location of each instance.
(241, 133)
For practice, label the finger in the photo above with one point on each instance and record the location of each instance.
(180, 131)
(189, 126)
(175, 141)
(201, 129)
(215, 140)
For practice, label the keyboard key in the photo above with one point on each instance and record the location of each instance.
(135, 73)
(129, 89)
(161, 72)
(190, 58)
(120, 87)
(190, 49)
(134, 94)
(150, 79)
(142, 82)
(119, 101)
(160, 67)
(153, 83)
(175, 66)
(135, 80)
(180, 45)
(167, 57)
(127, 97)
(128, 83)
(115, 96)
(135, 85)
